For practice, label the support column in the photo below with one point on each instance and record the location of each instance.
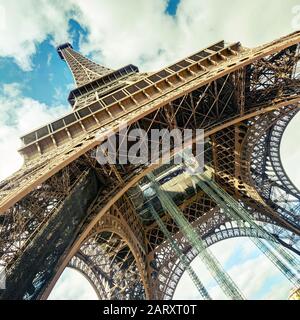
(29, 276)
(222, 278)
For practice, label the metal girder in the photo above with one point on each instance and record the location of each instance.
(30, 273)
(220, 275)
(181, 255)
(286, 262)
(231, 92)
(83, 69)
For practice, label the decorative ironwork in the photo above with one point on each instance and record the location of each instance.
(243, 98)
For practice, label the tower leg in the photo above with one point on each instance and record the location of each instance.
(37, 264)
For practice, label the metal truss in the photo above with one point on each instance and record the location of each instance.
(83, 69)
(243, 98)
(286, 262)
(181, 256)
(173, 269)
(212, 264)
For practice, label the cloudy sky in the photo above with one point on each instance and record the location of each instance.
(34, 84)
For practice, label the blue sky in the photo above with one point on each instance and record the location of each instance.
(50, 80)
(172, 7)
(34, 83)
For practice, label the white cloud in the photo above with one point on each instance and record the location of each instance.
(19, 114)
(290, 152)
(11, 89)
(278, 292)
(73, 286)
(28, 23)
(49, 58)
(140, 32)
(136, 32)
(253, 274)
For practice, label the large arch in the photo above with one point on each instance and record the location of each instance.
(217, 232)
(266, 138)
(229, 230)
(113, 199)
(114, 258)
(103, 205)
(94, 275)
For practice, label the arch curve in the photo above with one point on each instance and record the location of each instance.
(112, 259)
(229, 231)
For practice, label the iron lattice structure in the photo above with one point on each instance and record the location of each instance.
(63, 209)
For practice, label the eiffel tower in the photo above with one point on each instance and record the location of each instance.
(133, 230)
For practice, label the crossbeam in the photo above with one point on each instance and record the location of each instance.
(181, 256)
(238, 213)
(220, 275)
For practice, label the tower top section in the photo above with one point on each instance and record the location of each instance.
(83, 69)
(92, 79)
(62, 47)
